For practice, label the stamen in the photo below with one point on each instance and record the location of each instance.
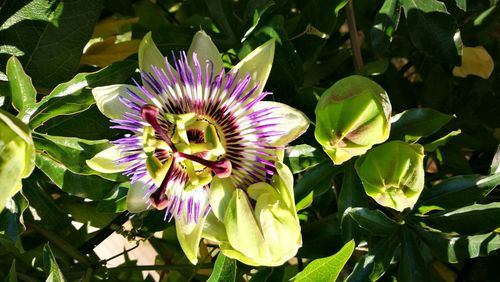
(221, 168)
(159, 197)
(149, 113)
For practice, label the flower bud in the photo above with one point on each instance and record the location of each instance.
(17, 155)
(258, 226)
(393, 174)
(351, 117)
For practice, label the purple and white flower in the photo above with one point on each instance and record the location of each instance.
(191, 122)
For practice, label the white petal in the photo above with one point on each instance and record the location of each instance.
(149, 55)
(105, 161)
(188, 231)
(107, 101)
(136, 202)
(258, 65)
(292, 123)
(205, 49)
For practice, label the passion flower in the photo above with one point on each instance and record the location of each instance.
(191, 122)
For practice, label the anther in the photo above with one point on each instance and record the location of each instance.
(149, 113)
(221, 168)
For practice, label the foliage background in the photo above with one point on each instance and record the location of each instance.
(409, 47)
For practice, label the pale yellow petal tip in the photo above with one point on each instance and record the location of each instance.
(475, 61)
(105, 161)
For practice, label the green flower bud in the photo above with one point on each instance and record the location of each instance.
(393, 174)
(351, 117)
(258, 226)
(17, 155)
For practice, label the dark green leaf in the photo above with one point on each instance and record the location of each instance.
(11, 222)
(84, 186)
(116, 203)
(374, 264)
(52, 217)
(50, 34)
(412, 267)
(88, 212)
(50, 266)
(320, 238)
(413, 124)
(352, 194)
(22, 92)
(457, 192)
(90, 124)
(374, 221)
(386, 22)
(317, 179)
(224, 269)
(473, 219)
(301, 157)
(327, 269)
(454, 249)
(12, 276)
(433, 30)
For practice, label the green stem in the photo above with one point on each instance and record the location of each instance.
(104, 233)
(353, 32)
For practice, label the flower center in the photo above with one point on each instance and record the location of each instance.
(181, 144)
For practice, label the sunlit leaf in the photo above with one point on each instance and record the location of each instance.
(327, 269)
(224, 269)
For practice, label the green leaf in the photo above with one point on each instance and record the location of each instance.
(495, 163)
(12, 276)
(473, 219)
(36, 26)
(374, 264)
(327, 269)
(301, 157)
(74, 152)
(317, 179)
(374, 221)
(454, 249)
(386, 22)
(84, 186)
(74, 96)
(433, 30)
(50, 266)
(22, 91)
(17, 154)
(224, 269)
(462, 4)
(413, 124)
(66, 105)
(412, 267)
(457, 192)
(431, 147)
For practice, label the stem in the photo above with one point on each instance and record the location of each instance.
(104, 233)
(353, 32)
